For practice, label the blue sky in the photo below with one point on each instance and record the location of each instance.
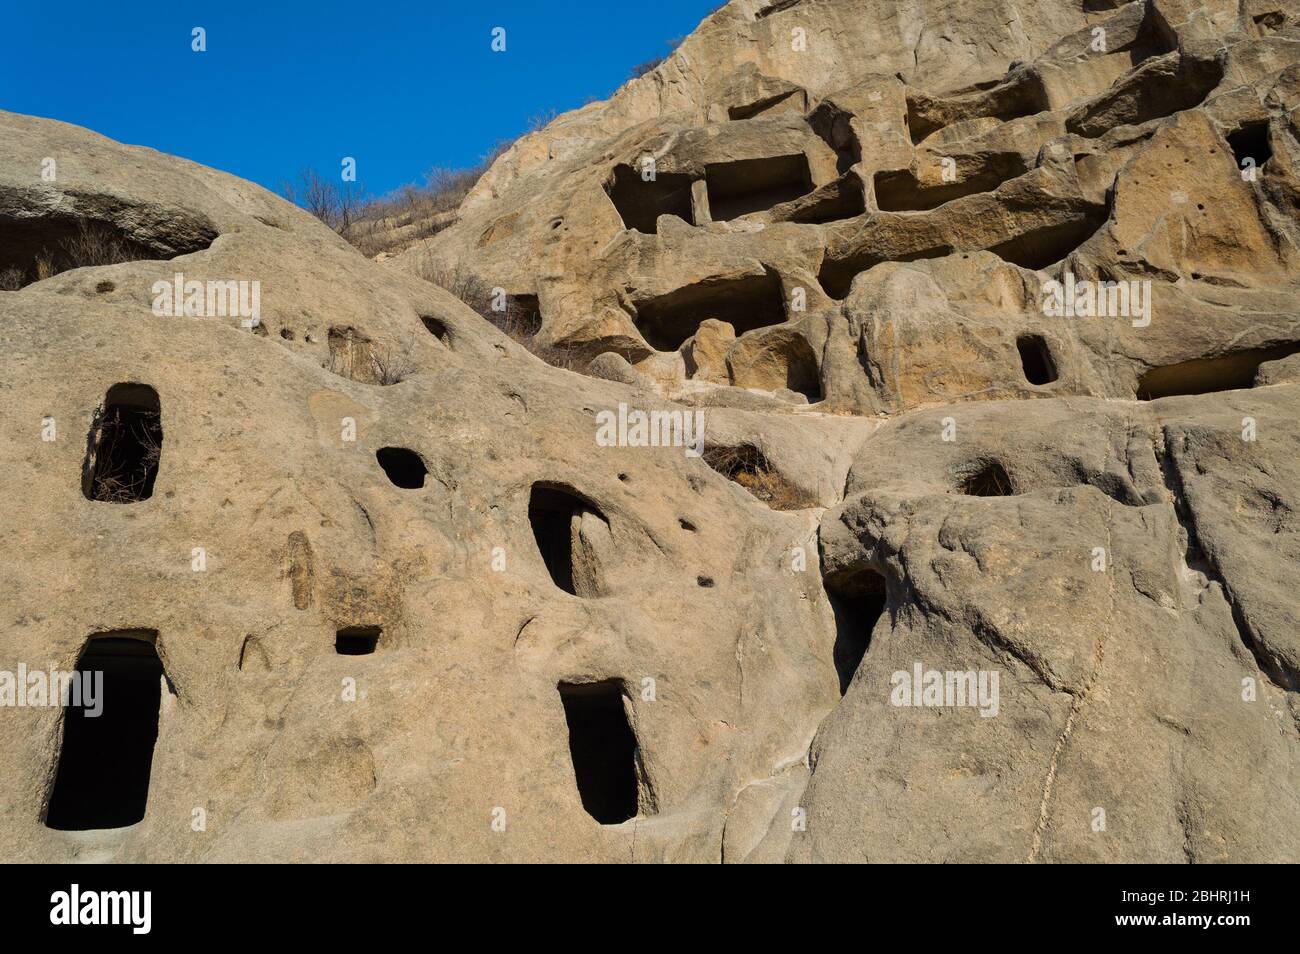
(283, 86)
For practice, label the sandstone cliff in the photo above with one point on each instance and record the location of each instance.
(404, 602)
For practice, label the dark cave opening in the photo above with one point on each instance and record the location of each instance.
(105, 760)
(603, 749)
(124, 446)
(858, 599)
(988, 479)
(1228, 372)
(553, 512)
(405, 468)
(746, 302)
(640, 202)
(357, 640)
(755, 185)
(1250, 141)
(38, 245)
(901, 191)
(1041, 247)
(1036, 359)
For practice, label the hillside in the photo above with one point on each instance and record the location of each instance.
(921, 483)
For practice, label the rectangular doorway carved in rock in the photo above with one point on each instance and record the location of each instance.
(753, 185)
(603, 748)
(124, 447)
(640, 200)
(106, 758)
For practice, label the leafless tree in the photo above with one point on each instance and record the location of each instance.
(338, 206)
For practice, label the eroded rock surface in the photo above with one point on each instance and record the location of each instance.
(409, 605)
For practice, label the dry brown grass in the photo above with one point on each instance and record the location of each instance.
(392, 222)
(519, 320)
(747, 465)
(404, 217)
(92, 244)
(988, 479)
(95, 245)
(117, 478)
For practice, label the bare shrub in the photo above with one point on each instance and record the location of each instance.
(95, 245)
(458, 280)
(519, 320)
(444, 189)
(394, 361)
(516, 316)
(358, 357)
(398, 220)
(641, 69)
(91, 245)
(541, 120)
(338, 206)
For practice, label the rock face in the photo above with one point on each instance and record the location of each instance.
(931, 494)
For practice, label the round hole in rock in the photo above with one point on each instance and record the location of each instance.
(437, 328)
(523, 317)
(404, 467)
(988, 479)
